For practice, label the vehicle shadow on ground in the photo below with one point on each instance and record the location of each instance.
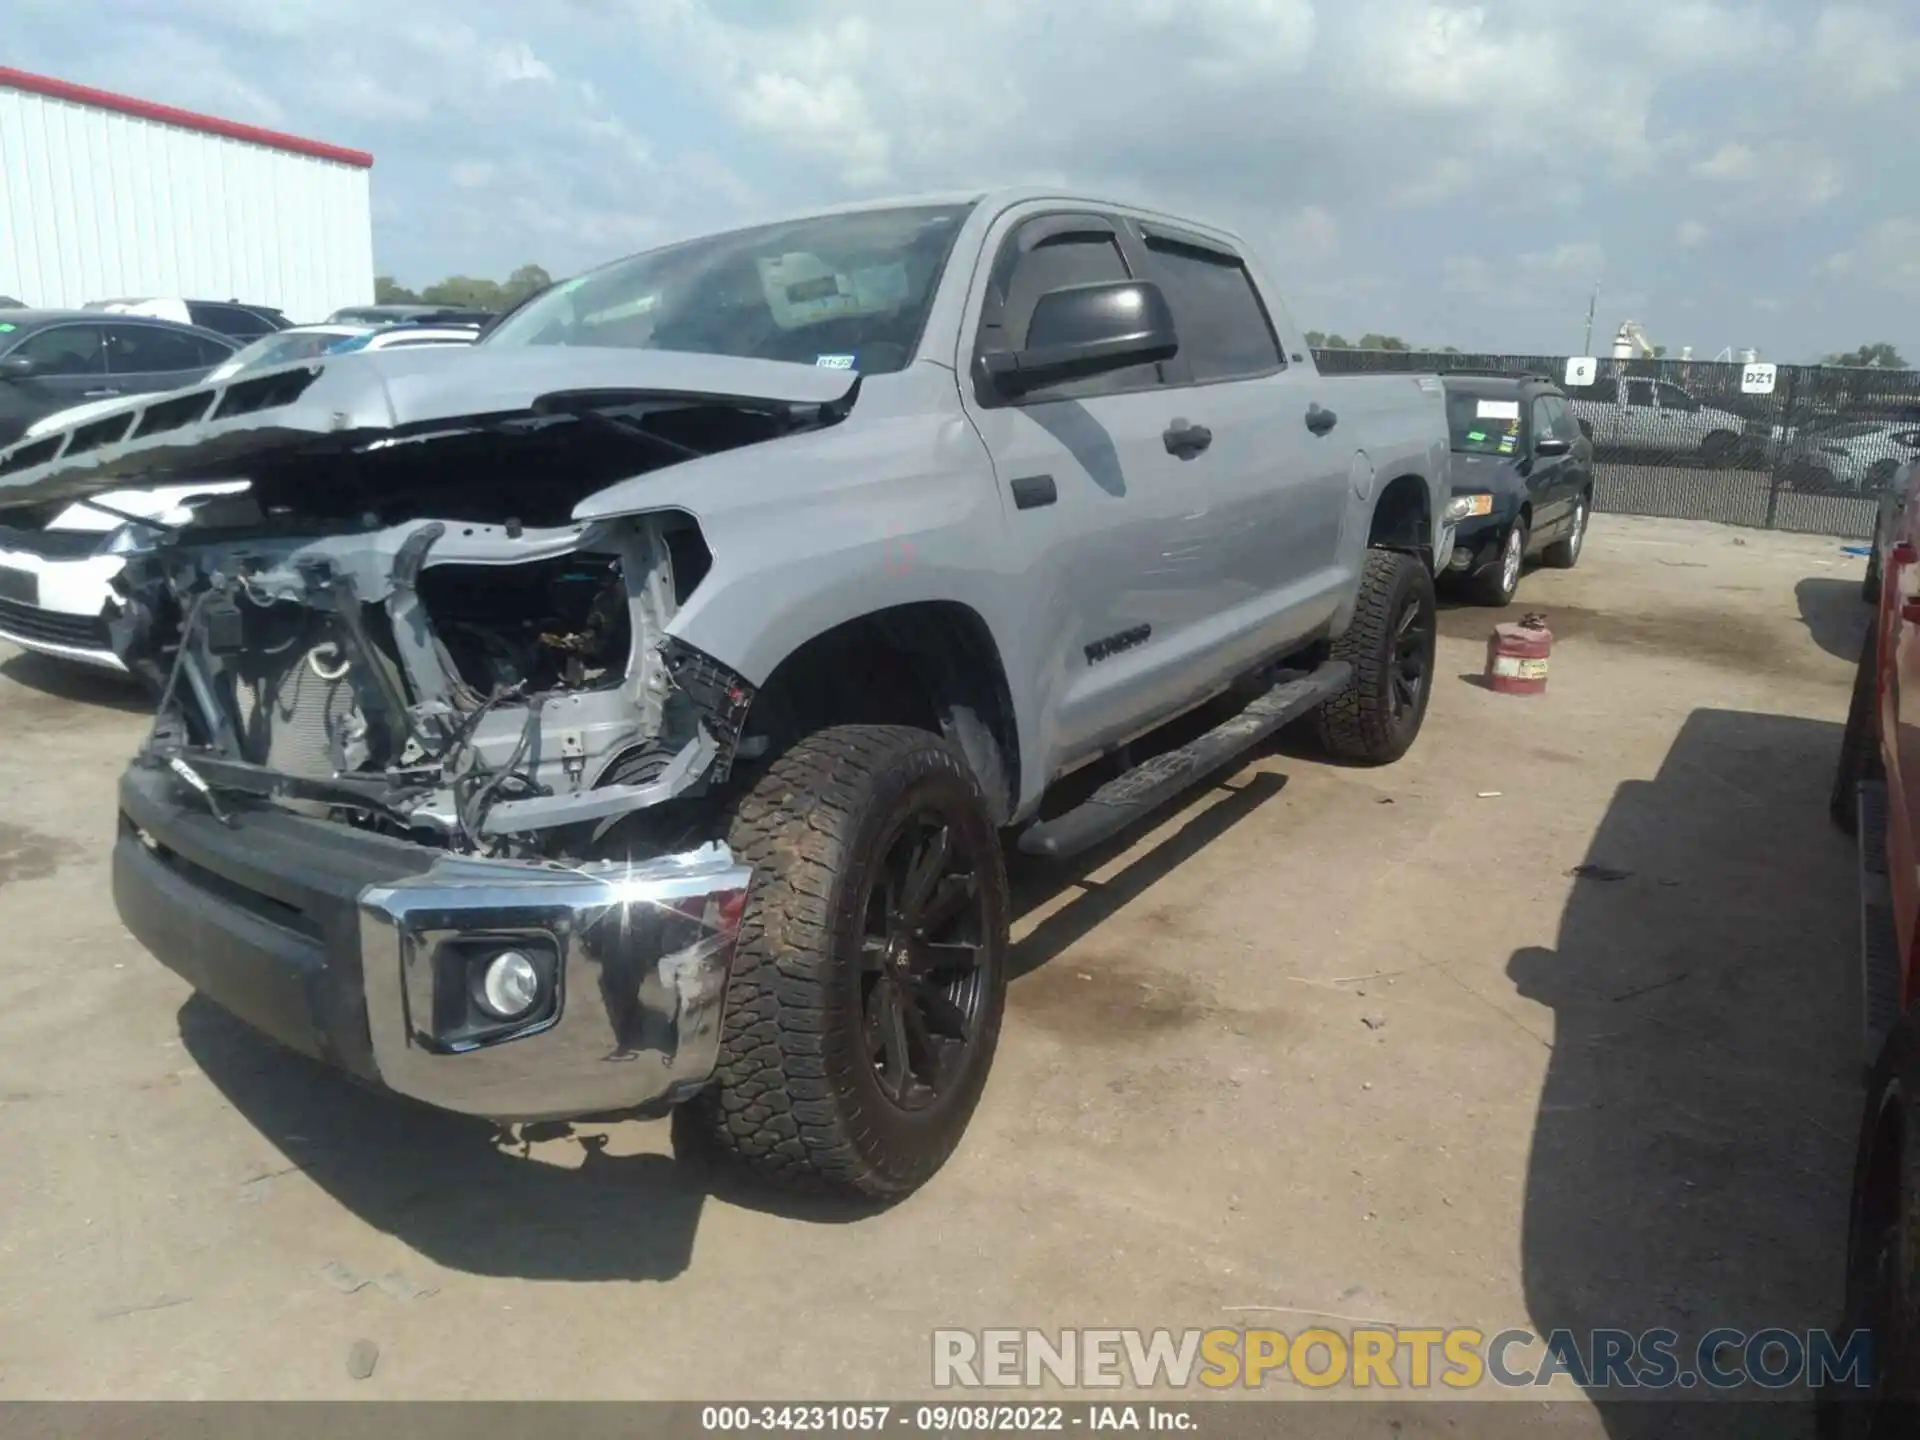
(79, 683)
(457, 1190)
(1693, 1148)
(1834, 614)
(464, 1193)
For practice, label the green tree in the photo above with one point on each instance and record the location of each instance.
(527, 280)
(1316, 338)
(1372, 341)
(1337, 342)
(466, 292)
(389, 291)
(1879, 356)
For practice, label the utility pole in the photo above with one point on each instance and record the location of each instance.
(1586, 346)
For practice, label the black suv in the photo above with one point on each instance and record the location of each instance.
(1522, 480)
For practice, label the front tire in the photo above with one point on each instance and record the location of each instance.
(1500, 583)
(1718, 450)
(869, 982)
(1564, 554)
(1390, 645)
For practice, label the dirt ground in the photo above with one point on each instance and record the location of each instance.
(1323, 1043)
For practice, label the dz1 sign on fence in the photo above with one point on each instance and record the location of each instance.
(1581, 369)
(1757, 379)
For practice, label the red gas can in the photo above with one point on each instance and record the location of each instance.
(1517, 656)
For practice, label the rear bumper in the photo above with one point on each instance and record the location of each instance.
(360, 950)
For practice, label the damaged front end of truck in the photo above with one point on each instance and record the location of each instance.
(422, 793)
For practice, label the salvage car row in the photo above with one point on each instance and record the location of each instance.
(628, 710)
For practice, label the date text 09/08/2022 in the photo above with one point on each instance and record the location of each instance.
(942, 1419)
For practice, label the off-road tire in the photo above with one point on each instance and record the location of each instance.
(1490, 586)
(794, 1096)
(1358, 725)
(1859, 749)
(1565, 554)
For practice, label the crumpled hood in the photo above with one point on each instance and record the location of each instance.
(233, 429)
(166, 503)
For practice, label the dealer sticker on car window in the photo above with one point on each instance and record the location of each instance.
(834, 362)
(1498, 410)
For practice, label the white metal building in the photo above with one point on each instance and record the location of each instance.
(106, 197)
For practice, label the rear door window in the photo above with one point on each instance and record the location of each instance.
(231, 320)
(1639, 392)
(66, 350)
(1224, 330)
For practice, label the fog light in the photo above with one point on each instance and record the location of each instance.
(510, 985)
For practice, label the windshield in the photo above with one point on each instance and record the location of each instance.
(1483, 424)
(849, 292)
(282, 348)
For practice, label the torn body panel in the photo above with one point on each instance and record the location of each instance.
(459, 681)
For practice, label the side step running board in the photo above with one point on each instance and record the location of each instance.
(1880, 977)
(1129, 796)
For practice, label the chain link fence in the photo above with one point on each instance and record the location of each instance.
(1686, 439)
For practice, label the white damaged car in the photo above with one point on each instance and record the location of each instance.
(56, 578)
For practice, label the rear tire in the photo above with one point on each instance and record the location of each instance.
(1564, 554)
(865, 1001)
(1390, 646)
(1718, 450)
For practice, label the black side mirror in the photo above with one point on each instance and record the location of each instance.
(1082, 330)
(1586, 428)
(1549, 445)
(18, 367)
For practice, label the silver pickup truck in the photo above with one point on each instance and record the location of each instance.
(1631, 415)
(629, 711)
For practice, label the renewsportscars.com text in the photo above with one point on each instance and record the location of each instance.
(1400, 1358)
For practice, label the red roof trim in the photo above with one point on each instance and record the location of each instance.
(185, 119)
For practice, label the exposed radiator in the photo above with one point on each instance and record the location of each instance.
(288, 718)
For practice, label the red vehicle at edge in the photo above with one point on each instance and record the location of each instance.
(1876, 796)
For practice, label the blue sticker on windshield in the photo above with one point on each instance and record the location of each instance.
(351, 342)
(834, 362)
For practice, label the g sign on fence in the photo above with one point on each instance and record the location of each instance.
(1789, 447)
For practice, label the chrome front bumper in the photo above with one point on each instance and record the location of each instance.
(641, 952)
(359, 950)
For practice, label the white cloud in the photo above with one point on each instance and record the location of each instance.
(1887, 257)
(1783, 174)
(1576, 257)
(1861, 55)
(1360, 141)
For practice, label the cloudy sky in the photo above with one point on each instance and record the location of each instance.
(1731, 172)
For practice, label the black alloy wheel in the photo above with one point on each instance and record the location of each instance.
(923, 955)
(1413, 645)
